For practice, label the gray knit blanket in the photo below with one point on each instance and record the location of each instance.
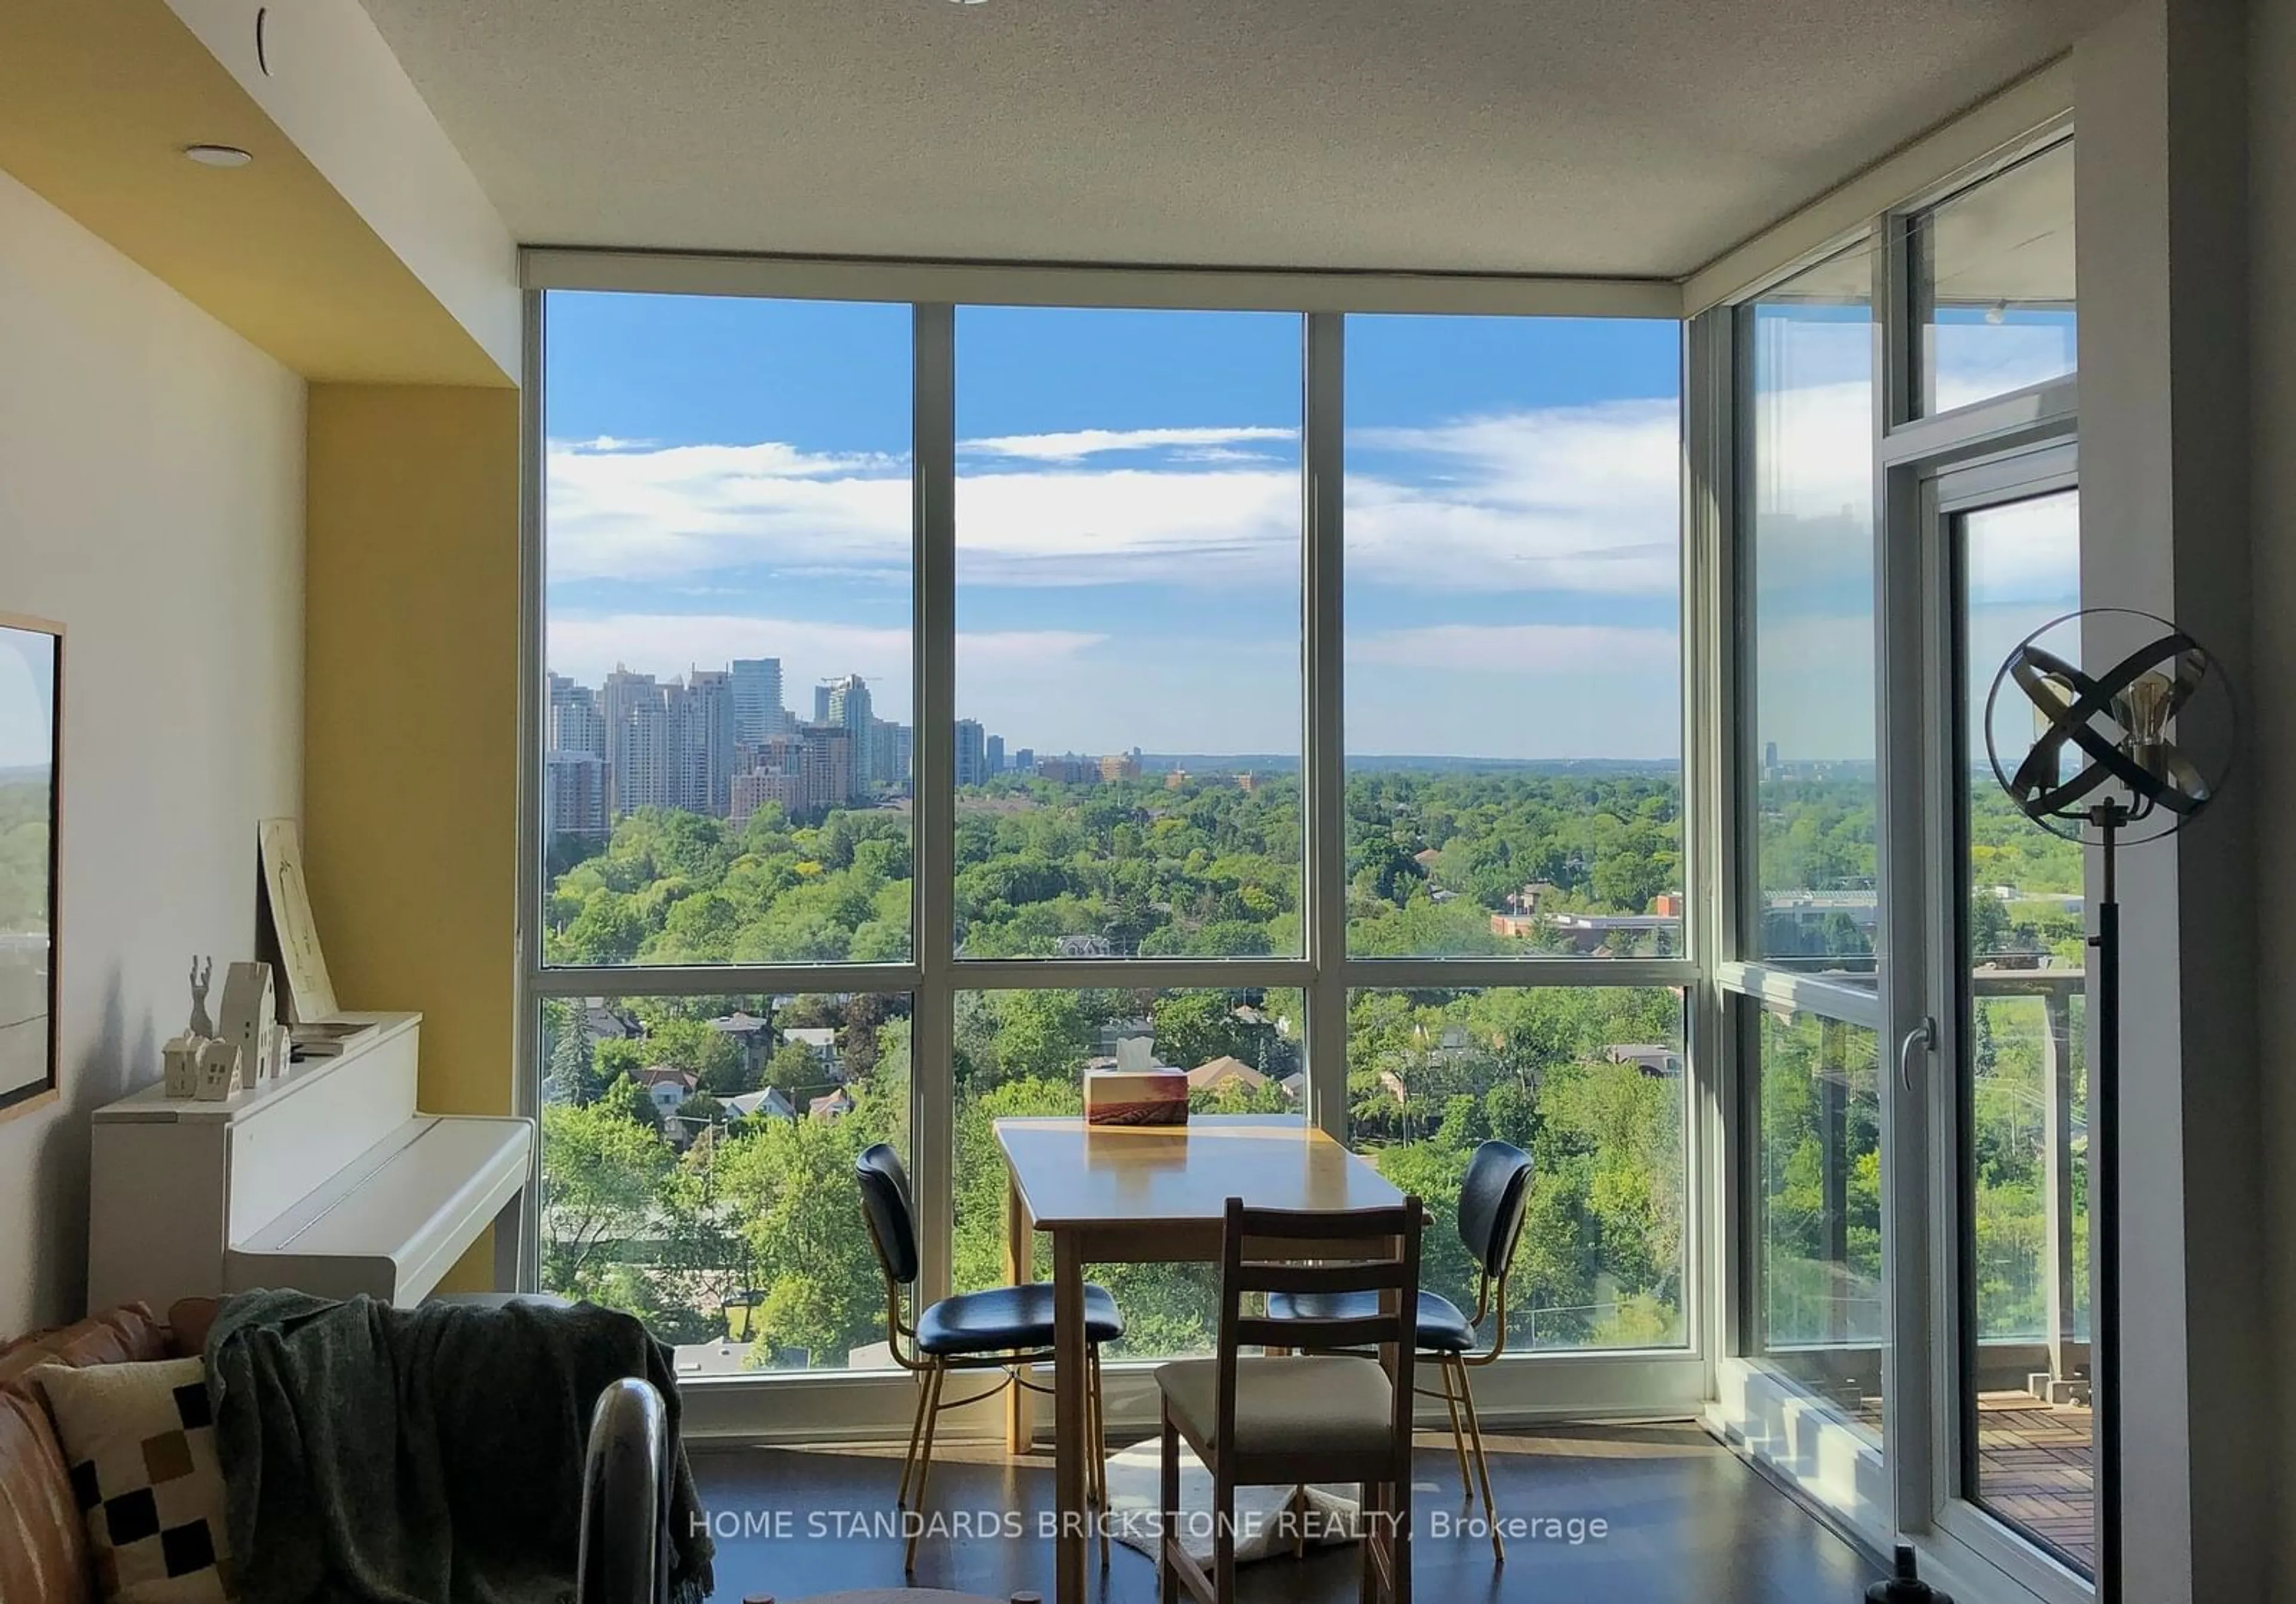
(433, 1455)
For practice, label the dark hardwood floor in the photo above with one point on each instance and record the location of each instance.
(1687, 1522)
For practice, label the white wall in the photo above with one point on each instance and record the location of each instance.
(2272, 700)
(2161, 223)
(151, 500)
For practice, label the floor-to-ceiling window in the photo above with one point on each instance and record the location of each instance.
(933, 702)
(1515, 794)
(780, 916)
(1809, 914)
(1906, 956)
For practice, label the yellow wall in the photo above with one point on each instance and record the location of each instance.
(410, 721)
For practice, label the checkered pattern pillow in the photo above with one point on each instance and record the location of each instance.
(141, 1443)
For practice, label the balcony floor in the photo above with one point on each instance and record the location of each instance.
(2036, 1467)
(1688, 1522)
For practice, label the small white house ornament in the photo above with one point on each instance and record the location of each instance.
(181, 1060)
(248, 1012)
(220, 1073)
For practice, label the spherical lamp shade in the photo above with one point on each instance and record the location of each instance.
(2111, 718)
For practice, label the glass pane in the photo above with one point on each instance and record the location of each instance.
(1513, 636)
(2026, 1136)
(1587, 1080)
(1821, 1321)
(1993, 269)
(1809, 560)
(697, 1170)
(1128, 633)
(727, 622)
(1021, 1053)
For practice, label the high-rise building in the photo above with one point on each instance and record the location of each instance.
(821, 703)
(758, 713)
(971, 751)
(711, 721)
(752, 790)
(992, 755)
(1024, 761)
(1121, 766)
(574, 721)
(892, 753)
(645, 767)
(641, 761)
(806, 772)
(825, 764)
(848, 705)
(574, 795)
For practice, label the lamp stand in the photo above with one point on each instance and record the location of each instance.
(2104, 1212)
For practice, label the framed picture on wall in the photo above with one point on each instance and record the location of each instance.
(31, 738)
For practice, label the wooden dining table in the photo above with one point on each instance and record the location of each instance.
(1142, 1195)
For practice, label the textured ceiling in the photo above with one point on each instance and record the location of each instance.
(1580, 137)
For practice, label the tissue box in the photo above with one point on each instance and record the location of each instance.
(1136, 1097)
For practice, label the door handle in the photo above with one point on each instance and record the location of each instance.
(1924, 1036)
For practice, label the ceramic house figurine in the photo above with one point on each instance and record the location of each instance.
(281, 1053)
(248, 1012)
(181, 1057)
(220, 1072)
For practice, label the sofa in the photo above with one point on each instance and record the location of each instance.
(44, 1555)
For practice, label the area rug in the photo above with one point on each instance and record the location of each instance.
(1265, 1523)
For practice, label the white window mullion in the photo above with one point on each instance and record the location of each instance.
(1325, 770)
(933, 1025)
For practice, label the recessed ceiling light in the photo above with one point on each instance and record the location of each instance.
(218, 156)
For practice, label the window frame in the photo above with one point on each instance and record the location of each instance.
(1601, 1380)
(2021, 437)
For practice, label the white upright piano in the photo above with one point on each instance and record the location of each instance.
(325, 1180)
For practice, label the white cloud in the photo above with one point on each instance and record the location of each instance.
(1199, 527)
(1486, 649)
(1075, 444)
(670, 513)
(1579, 498)
(1574, 498)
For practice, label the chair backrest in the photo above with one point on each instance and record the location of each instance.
(892, 1218)
(1492, 1200)
(1351, 1250)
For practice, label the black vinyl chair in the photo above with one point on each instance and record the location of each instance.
(1007, 1329)
(1492, 1200)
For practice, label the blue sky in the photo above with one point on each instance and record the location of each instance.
(28, 673)
(729, 477)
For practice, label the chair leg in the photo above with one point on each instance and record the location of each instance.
(916, 1433)
(1458, 1431)
(1482, 1464)
(1223, 1531)
(1399, 1541)
(1374, 1525)
(925, 1464)
(1168, 1577)
(1099, 1428)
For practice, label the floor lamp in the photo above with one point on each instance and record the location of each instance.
(2128, 755)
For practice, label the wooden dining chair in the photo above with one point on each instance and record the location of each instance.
(1492, 1201)
(1263, 1421)
(1006, 1329)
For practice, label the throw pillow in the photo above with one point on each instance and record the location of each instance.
(140, 1442)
